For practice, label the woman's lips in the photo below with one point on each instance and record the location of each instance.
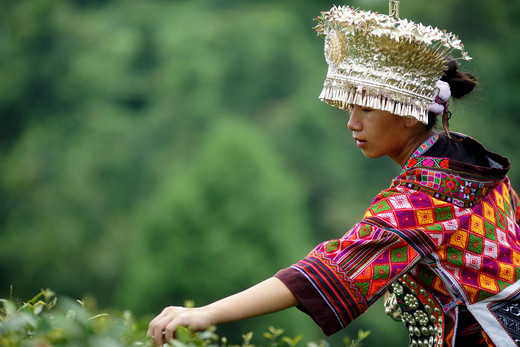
(360, 143)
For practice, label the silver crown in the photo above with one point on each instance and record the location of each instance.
(383, 62)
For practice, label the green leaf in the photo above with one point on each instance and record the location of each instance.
(35, 298)
(183, 334)
(38, 307)
(70, 315)
(9, 307)
(292, 342)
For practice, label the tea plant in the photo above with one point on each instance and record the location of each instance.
(45, 321)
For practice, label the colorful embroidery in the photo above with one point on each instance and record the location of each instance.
(421, 149)
(454, 231)
(458, 190)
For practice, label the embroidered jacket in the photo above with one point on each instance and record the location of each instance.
(443, 237)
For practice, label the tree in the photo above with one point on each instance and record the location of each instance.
(228, 218)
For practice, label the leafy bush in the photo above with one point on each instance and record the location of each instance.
(45, 322)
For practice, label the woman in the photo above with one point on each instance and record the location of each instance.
(442, 240)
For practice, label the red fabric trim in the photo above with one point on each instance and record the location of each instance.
(310, 300)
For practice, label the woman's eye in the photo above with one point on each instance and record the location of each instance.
(367, 109)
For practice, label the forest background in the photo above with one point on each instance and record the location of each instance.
(158, 151)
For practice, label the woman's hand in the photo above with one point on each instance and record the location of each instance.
(162, 328)
(268, 296)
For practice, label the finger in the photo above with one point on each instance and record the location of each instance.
(156, 322)
(164, 329)
(169, 330)
(158, 337)
(163, 338)
(150, 330)
(155, 331)
(152, 327)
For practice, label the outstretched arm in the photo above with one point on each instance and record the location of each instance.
(266, 297)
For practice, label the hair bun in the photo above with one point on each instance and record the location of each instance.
(461, 83)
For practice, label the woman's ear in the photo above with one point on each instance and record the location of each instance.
(410, 122)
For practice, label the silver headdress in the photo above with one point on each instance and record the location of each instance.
(383, 62)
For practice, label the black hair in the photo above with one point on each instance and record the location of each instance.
(461, 83)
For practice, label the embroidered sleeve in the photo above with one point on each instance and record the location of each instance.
(341, 278)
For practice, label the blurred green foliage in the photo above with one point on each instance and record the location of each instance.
(155, 151)
(45, 321)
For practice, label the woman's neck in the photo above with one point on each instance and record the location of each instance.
(415, 141)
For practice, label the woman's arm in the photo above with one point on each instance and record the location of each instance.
(268, 296)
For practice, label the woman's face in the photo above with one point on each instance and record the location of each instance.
(378, 133)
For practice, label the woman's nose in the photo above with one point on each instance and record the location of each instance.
(353, 120)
